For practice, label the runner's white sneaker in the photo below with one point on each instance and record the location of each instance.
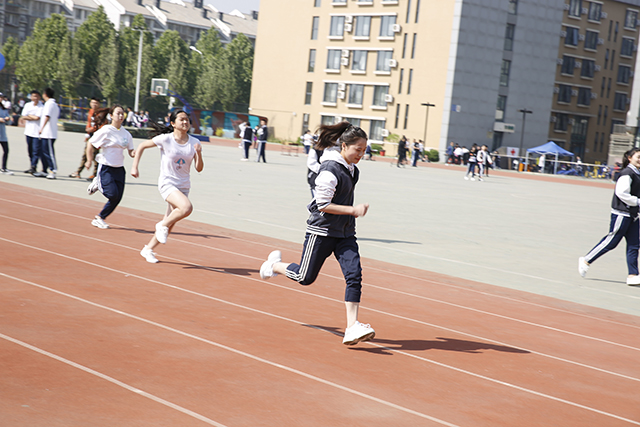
(6, 172)
(52, 175)
(148, 254)
(266, 270)
(99, 222)
(633, 280)
(583, 266)
(93, 186)
(162, 232)
(358, 332)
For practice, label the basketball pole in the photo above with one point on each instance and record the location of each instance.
(139, 66)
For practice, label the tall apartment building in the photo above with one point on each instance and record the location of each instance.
(453, 70)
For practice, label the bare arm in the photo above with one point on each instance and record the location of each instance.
(89, 151)
(357, 211)
(199, 160)
(138, 154)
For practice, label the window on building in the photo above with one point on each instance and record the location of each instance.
(337, 26)
(620, 101)
(397, 115)
(513, 7)
(417, 10)
(501, 107)
(316, 3)
(610, 28)
(591, 40)
(504, 72)
(355, 122)
(604, 117)
(572, 36)
(400, 81)
(307, 97)
(595, 11)
(312, 60)
(386, 25)
(604, 79)
(363, 26)
(588, 68)
(568, 64)
(595, 142)
(630, 19)
(606, 59)
(601, 141)
(407, 20)
(359, 60)
(314, 27)
(564, 94)
(356, 93)
(327, 120)
(413, 45)
(404, 45)
(333, 59)
(330, 93)
(382, 64)
(339, 2)
(584, 96)
(613, 57)
(627, 47)
(608, 87)
(599, 114)
(406, 116)
(624, 73)
(562, 122)
(305, 122)
(379, 93)
(615, 33)
(508, 37)
(410, 81)
(575, 8)
(375, 129)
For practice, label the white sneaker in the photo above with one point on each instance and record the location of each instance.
(52, 175)
(99, 222)
(358, 332)
(6, 172)
(466, 177)
(583, 266)
(633, 280)
(244, 160)
(162, 232)
(93, 186)
(473, 179)
(480, 179)
(148, 254)
(266, 270)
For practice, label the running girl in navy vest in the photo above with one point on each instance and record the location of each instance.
(113, 139)
(331, 227)
(624, 219)
(177, 151)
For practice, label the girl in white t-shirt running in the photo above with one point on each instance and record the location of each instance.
(177, 151)
(113, 139)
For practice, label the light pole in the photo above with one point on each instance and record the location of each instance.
(195, 49)
(142, 30)
(426, 121)
(524, 112)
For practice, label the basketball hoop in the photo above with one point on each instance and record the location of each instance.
(154, 94)
(159, 87)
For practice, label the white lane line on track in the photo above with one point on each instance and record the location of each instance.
(368, 267)
(375, 286)
(110, 379)
(302, 323)
(230, 349)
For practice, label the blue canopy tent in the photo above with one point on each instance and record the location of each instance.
(549, 148)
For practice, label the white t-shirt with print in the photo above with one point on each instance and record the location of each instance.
(113, 142)
(50, 109)
(175, 160)
(32, 127)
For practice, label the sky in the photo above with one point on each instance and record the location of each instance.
(226, 6)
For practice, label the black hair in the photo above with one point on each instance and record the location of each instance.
(36, 92)
(627, 156)
(49, 92)
(343, 131)
(159, 128)
(100, 115)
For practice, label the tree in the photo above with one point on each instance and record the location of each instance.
(11, 52)
(207, 89)
(128, 41)
(239, 56)
(91, 36)
(43, 47)
(70, 66)
(107, 68)
(171, 55)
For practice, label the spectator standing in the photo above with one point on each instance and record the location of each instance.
(450, 156)
(415, 155)
(457, 155)
(129, 119)
(246, 135)
(263, 134)
(402, 151)
(49, 131)
(307, 141)
(473, 161)
(31, 113)
(90, 128)
(5, 118)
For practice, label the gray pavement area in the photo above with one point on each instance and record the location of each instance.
(506, 231)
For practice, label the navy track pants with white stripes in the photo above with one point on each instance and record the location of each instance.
(317, 249)
(621, 226)
(111, 185)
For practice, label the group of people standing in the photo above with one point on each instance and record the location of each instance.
(41, 131)
(415, 149)
(251, 136)
(480, 158)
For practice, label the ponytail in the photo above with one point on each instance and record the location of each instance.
(100, 115)
(160, 128)
(345, 132)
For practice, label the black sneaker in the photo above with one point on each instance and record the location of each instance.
(30, 171)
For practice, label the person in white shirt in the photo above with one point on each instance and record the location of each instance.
(49, 132)
(113, 139)
(31, 113)
(307, 140)
(177, 151)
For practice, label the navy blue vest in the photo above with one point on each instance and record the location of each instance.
(326, 224)
(618, 204)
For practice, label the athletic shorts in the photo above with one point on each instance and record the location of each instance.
(166, 189)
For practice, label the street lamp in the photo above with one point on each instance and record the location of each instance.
(524, 112)
(193, 48)
(426, 121)
(142, 30)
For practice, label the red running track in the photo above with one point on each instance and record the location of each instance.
(92, 335)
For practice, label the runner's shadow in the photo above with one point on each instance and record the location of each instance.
(606, 281)
(177, 233)
(367, 239)
(225, 270)
(446, 344)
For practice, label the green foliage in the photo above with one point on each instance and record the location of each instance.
(377, 147)
(91, 36)
(239, 57)
(70, 66)
(11, 52)
(129, 43)
(433, 155)
(107, 68)
(393, 137)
